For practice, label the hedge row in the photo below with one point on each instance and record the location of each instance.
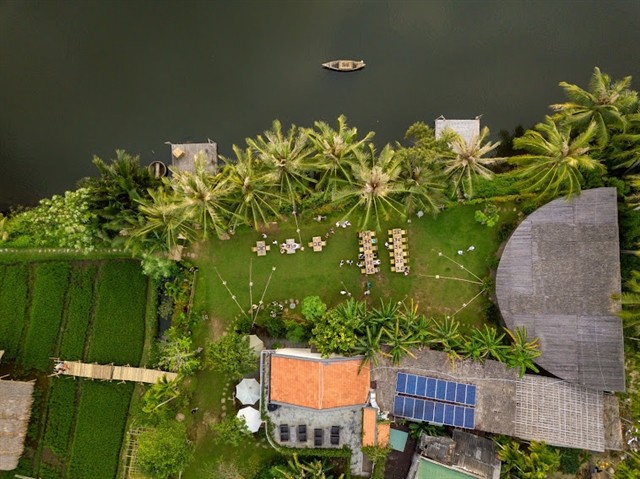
(80, 296)
(119, 317)
(62, 406)
(13, 305)
(102, 415)
(50, 284)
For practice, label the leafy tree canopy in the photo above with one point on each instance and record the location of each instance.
(164, 451)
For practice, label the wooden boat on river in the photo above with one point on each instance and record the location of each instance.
(344, 65)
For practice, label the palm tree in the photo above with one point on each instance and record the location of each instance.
(376, 187)
(623, 151)
(295, 469)
(385, 315)
(423, 184)
(604, 104)
(163, 223)
(523, 351)
(117, 191)
(555, 159)
(630, 300)
(160, 393)
(469, 161)
(250, 195)
(201, 196)
(286, 159)
(399, 340)
(369, 346)
(491, 343)
(335, 152)
(445, 334)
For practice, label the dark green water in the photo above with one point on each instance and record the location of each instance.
(84, 77)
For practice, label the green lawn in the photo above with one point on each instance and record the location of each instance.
(307, 273)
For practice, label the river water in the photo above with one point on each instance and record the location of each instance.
(79, 78)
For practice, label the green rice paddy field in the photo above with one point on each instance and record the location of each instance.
(87, 310)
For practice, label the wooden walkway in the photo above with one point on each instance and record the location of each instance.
(109, 372)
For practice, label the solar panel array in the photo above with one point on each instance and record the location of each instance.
(433, 411)
(435, 400)
(438, 389)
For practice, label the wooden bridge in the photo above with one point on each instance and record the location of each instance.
(109, 372)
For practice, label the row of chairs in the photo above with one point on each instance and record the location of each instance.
(318, 434)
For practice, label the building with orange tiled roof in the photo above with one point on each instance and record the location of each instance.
(305, 379)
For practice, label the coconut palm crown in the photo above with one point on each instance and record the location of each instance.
(469, 161)
(285, 158)
(604, 104)
(251, 195)
(376, 187)
(555, 159)
(335, 151)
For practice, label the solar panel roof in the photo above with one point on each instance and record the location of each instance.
(437, 389)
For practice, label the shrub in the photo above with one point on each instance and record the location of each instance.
(79, 305)
(102, 414)
(164, 451)
(313, 308)
(297, 332)
(47, 304)
(118, 326)
(231, 430)
(13, 305)
(232, 356)
(488, 216)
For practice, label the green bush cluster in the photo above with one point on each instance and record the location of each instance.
(78, 312)
(102, 414)
(62, 406)
(118, 325)
(47, 306)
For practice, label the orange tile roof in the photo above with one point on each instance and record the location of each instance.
(318, 383)
(383, 434)
(369, 415)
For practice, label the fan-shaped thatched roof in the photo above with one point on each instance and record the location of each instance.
(15, 409)
(556, 277)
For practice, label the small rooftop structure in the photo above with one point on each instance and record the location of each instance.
(467, 129)
(468, 454)
(183, 156)
(374, 432)
(556, 277)
(15, 410)
(305, 379)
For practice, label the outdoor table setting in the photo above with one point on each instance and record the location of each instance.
(317, 243)
(367, 241)
(289, 246)
(261, 248)
(398, 242)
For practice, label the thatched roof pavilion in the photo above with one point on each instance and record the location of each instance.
(556, 277)
(15, 410)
